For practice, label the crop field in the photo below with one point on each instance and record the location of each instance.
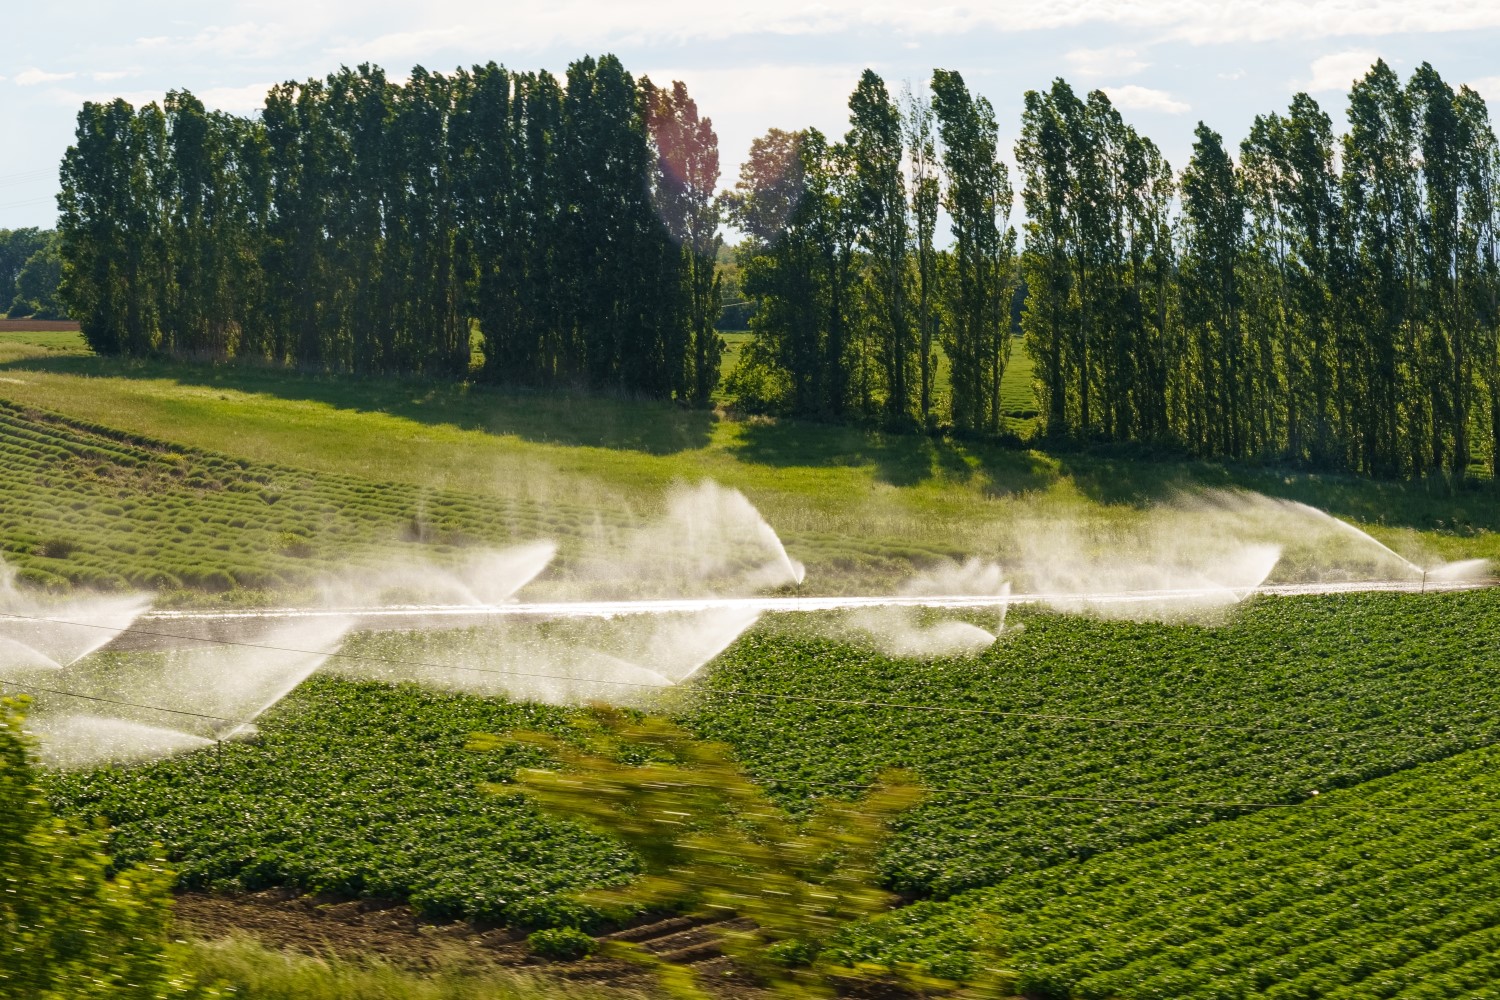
(1382, 890)
(1071, 739)
(84, 505)
(1293, 799)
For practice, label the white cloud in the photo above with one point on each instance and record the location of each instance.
(1105, 62)
(236, 100)
(1238, 74)
(105, 77)
(1337, 71)
(32, 77)
(1136, 98)
(746, 101)
(1487, 87)
(468, 25)
(403, 47)
(251, 39)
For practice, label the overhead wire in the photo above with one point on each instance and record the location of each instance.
(28, 686)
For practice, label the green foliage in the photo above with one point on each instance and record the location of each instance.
(243, 969)
(71, 927)
(360, 789)
(712, 840)
(362, 225)
(980, 278)
(17, 246)
(1330, 692)
(561, 944)
(1387, 889)
(38, 282)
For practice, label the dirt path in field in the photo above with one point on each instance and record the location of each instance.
(394, 933)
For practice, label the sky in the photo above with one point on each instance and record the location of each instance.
(1167, 64)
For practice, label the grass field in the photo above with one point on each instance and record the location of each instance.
(843, 498)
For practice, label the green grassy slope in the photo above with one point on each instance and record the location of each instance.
(842, 497)
(85, 505)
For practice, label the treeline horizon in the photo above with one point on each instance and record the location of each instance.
(1330, 301)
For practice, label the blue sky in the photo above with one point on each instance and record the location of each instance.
(782, 63)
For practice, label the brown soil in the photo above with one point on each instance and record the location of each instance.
(10, 325)
(394, 933)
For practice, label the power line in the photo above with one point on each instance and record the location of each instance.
(26, 686)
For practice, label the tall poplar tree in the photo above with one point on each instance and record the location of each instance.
(685, 183)
(878, 204)
(977, 196)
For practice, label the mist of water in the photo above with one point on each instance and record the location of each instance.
(41, 631)
(80, 741)
(709, 540)
(1361, 537)
(908, 633)
(484, 577)
(1462, 571)
(239, 683)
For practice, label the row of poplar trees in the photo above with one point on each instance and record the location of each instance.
(1321, 298)
(368, 225)
(857, 304)
(1325, 298)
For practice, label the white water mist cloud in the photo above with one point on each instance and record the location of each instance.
(79, 741)
(481, 577)
(904, 632)
(709, 541)
(40, 630)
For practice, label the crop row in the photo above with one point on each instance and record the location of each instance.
(1295, 695)
(83, 505)
(1385, 890)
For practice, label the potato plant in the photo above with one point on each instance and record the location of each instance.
(365, 788)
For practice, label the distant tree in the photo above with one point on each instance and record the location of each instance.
(879, 213)
(1042, 154)
(977, 196)
(16, 248)
(1213, 236)
(685, 183)
(37, 284)
(921, 151)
